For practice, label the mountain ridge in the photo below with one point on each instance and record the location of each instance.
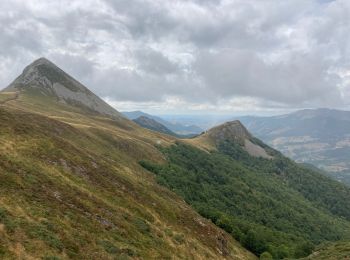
(177, 128)
(152, 124)
(232, 131)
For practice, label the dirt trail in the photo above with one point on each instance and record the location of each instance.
(10, 98)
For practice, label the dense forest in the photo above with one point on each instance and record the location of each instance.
(275, 208)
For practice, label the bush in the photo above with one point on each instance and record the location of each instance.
(179, 238)
(3, 215)
(109, 247)
(304, 249)
(51, 258)
(255, 242)
(5, 219)
(266, 256)
(2, 250)
(142, 225)
(41, 232)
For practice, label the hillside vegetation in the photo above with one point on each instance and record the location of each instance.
(272, 206)
(69, 192)
(71, 187)
(331, 251)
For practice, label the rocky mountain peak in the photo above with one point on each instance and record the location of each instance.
(235, 131)
(44, 78)
(229, 131)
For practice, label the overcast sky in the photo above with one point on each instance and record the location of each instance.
(188, 56)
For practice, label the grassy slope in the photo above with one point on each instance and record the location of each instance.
(6, 96)
(71, 187)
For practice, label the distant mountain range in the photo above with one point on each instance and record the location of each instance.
(152, 124)
(317, 136)
(177, 128)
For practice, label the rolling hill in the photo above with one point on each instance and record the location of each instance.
(71, 185)
(315, 136)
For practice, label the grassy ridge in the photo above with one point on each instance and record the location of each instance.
(76, 191)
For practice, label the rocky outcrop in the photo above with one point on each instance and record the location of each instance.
(236, 132)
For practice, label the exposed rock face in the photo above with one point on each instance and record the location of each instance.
(45, 78)
(236, 132)
(233, 131)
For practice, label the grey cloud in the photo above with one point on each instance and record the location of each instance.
(155, 62)
(286, 52)
(303, 78)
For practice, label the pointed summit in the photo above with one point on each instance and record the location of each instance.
(234, 132)
(42, 77)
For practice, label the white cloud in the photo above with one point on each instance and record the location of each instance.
(198, 55)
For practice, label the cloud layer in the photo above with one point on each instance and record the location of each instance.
(188, 54)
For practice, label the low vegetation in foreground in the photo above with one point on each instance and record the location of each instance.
(77, 192)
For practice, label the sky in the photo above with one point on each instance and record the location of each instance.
(188, 56)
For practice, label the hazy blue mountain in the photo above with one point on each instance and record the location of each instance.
(152, 124)
(317, 136)
(177, 128)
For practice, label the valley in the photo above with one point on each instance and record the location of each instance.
(318, 137)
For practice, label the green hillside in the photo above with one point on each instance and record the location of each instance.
(268, 205)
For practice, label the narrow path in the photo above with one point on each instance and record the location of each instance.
(10, 99)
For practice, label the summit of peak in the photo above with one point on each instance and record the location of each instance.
(233, 132)
(41, 60)
(229, 131)
(45, 78)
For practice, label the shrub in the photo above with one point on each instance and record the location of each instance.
(7, 220)
(40, 232)
(109, 247)
(266, 256)
(51, 258)
(179, 238)
(142, 225)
